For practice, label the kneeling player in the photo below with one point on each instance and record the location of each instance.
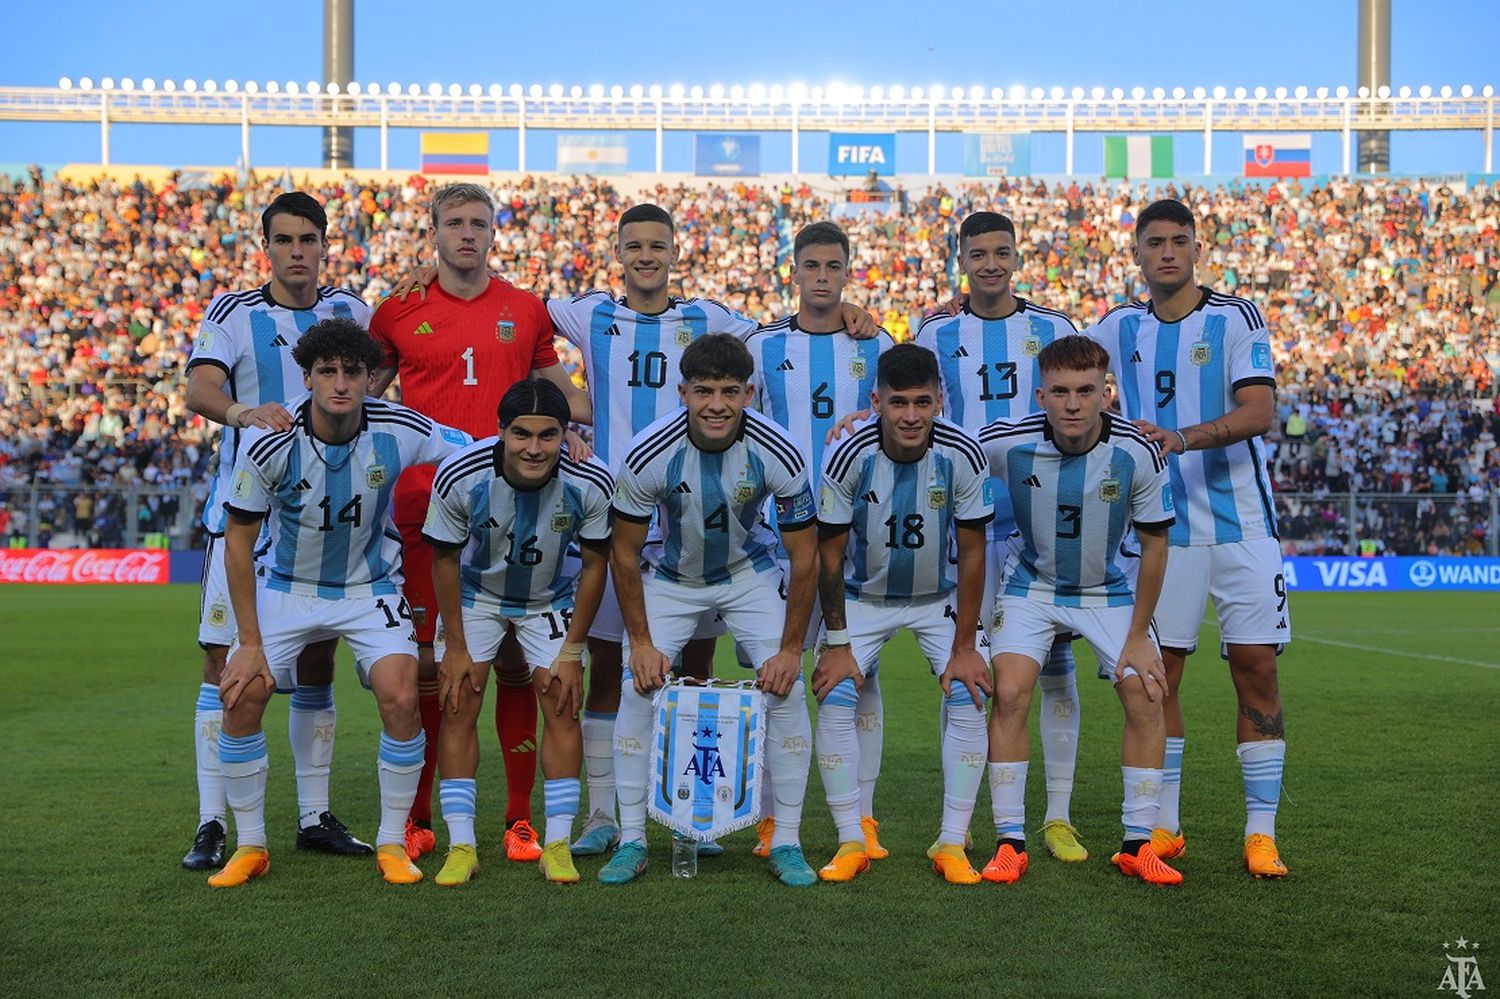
(1079, 478)
(325, 484)
(899, 488)
(503, 512)
(707, 472)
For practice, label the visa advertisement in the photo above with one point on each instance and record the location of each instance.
(1334, 573)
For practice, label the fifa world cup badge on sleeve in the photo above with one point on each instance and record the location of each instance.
(242, 484)
(1260, 356)
(794, 509)
(205, 340)
(708, 758)
(1166, 497)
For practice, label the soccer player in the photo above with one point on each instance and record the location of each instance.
(504, 511)
(705, 473)
(240, 374)
(987, 354)
(324, 484)
(457, 351)
(629, 349)
(1194, 371)
(893, 494)
(813, 370)
(1078, 479)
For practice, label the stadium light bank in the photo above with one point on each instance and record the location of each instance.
(757, 107)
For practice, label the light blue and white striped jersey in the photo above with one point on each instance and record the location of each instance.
(807, 382)
(708, 504)
(1187, 372)
(901, 514)
(515, 540)
(329, 505)
(631, 358)
(1073, 509)
(989, 371)
(250, 337)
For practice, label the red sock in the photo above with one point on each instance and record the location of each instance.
(515, 724)
(432, 719)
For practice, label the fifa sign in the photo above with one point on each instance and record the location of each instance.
(856, 154)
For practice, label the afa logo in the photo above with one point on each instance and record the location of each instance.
(937, 497)
(505, 331)
(562, 522)
(744, 491)
(1109, 490)
(375, 476)
(1462, 976)
(684, 334)
(218, 615)
(1202, 353)
(706, 763)
(857, 368)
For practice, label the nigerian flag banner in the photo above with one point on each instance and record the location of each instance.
(1137, 156)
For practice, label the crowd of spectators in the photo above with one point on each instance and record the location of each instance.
(1382, 298)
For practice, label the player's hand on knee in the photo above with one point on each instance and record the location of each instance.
(834, 666)
(578, 448)
(569, 673)
(1142, 655)
(246, 667)
(846, 425)
(648, 668)
(780, 672)
(456, 669)
(417, 282)
(968, 668)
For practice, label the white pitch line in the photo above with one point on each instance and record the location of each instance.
(1400, 653)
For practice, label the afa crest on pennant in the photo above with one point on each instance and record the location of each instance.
(708, 758)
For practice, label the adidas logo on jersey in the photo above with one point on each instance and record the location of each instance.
(960, 352)
(302, 486)
(492, 524)
(786, 365)
(1033, 482)
(614, 330)
(683, 488)
(870, 497)
(1135, 358)
(422, 330)
(280, 341)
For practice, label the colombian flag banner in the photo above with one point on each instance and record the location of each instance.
(456, 152)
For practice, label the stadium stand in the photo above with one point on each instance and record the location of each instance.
(1383, 297)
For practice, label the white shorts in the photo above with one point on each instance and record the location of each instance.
(374, 627)
(609, 626)
(872, 623)
(1248, 590)
(1029, 627)
(752, 608)
(540, 635)
(216, 625)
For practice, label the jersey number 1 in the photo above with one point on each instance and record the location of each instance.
(468, 356)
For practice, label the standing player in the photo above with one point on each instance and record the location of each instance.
(1194, 371)
(457, 351)
(325, 486)
(504, 511)
(240, 374)
(629, 348)
(892, 496)
(706, 473)
(1078, 479)
(812, 372)
(988, 357)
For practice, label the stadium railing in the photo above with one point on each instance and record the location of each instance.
(45, 516)
(1388, 523)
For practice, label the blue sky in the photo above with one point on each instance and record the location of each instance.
(999, 43)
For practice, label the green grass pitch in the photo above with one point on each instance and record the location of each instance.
(1389, 824)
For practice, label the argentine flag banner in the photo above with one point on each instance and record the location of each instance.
(707, 770)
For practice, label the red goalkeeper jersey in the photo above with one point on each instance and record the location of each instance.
(456, 358)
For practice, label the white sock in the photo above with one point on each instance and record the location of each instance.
(1008, 799)
(400, 769)
(1169, 817)
(964, 745)
(208, 716)
(1142, 800)
(632, 762)
(560, 797)
(788, 748)
(1058, 722)
(244, 763)
(869, 728)
(598, 753)
(310, 725)
(767, 795)
(839, 757)
(457, 797)
(1261, 764)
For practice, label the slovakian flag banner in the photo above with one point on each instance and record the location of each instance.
(1278, 155)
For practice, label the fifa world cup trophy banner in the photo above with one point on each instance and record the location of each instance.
(708, 758)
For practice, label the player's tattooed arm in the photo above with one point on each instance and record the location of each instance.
(1255, 407)
(1272, 726)
(832, 544)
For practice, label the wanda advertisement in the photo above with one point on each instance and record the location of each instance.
(84, 565)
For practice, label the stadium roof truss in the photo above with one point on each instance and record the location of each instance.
(679, 109)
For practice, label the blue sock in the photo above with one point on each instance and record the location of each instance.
(1261, 764)
(457, 796)
(560, 798)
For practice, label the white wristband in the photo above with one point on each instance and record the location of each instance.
(233, 413)
(1183, 439)
(838, 636)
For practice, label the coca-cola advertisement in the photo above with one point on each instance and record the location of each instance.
(84, 565)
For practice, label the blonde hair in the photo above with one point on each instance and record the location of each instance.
(453, 195)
